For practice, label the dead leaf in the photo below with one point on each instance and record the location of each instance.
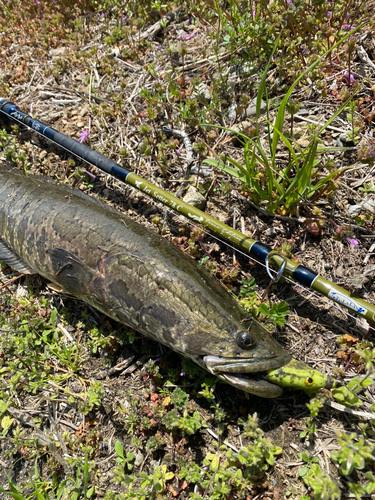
(349, 339)
(357, 358)
(342, 355)
(172, 490)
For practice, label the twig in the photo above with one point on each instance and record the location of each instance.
(155, 28)
(216, 436)
(330, 127)
(11, 281)
(364, 414)
(115, 369)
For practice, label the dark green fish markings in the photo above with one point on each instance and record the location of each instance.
(298, 375)
(134, 276)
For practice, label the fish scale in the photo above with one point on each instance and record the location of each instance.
(134, 276)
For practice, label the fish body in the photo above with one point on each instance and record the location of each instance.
(134, 276)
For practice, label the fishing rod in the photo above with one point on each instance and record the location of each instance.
(256, 250)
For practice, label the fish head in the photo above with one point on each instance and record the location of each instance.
(243, 355)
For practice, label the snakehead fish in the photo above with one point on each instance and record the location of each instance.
(134, 276)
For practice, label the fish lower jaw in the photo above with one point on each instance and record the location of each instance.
(244, 374)
(256, 386)
(247, 382)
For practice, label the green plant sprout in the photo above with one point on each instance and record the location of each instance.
(311, 422)
(13, 152)
(355, 125)
(125, 460)
(368, 187)
(77, 488)
(349, 394)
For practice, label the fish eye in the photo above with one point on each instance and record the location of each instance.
(309, 381)
(245, 340)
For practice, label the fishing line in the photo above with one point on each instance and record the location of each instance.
(163, 207)
(275, 277)
(256, 250)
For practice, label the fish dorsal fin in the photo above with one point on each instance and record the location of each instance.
(8, 256)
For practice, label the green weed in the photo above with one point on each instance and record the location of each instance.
(276, 188)
(262, 310)
(349, 394)
(312, 423)
(13, 152)
(78, 488)
(323, 486)
(125, 460)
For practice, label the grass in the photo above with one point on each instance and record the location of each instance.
(298, 181)
(170, 430)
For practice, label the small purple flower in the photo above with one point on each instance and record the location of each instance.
(188, 20)
(254, 13)
(353, 242)
(367, 153)
(31, 109)
(329, 14)
(102, 15)
(178, 151)
(290, 3)
(349, 77)
(189, 37)
(37, 2)
(348, 27)
(84, 135)
(90, 174)
(156, 47)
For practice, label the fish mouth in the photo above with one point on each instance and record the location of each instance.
(246, 374)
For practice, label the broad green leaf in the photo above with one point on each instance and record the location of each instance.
(367, 382)
(345, 397)
(6, 422)
(119, 449)
(215, 463)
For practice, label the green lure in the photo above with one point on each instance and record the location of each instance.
(298, 375)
